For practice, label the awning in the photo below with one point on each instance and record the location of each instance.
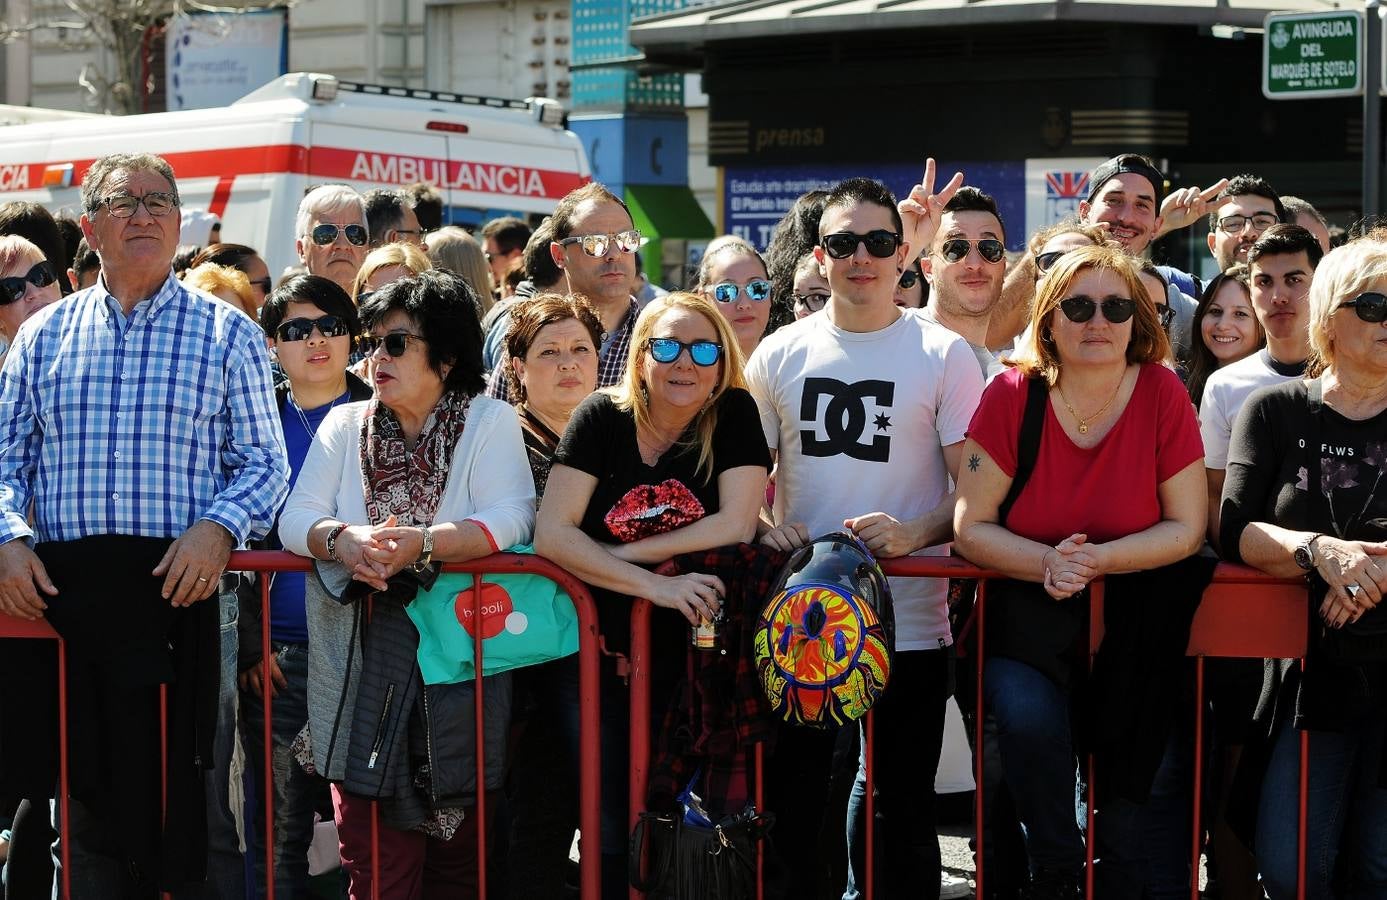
(667, 212)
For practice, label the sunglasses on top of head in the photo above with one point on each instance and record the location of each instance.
(326, 233)
(879, 243)
(955, 249)
(40, 276)
(598, 245)
(1115, 309)
(758, 290)
(1370, 306)
(667, 350)
(395, 343)
(300, 329)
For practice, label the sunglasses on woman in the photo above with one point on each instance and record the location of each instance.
(326, 233)
(811, 302)
(908, 279)
(956, 249)
(40, 276)
(758, 291)
(1043, 261)
(667, 350)
(395, 343)
(1115, 309)
(1370, 307)
(300, 329)
(879, 243)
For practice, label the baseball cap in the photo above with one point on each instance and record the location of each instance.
(1123, 164)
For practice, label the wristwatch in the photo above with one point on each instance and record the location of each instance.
(426, 554)
(332, 540)
(1305, 552)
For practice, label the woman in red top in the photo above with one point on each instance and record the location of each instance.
(1117, 486)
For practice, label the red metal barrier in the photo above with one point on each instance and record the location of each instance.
(1245, 613)
(273, 561)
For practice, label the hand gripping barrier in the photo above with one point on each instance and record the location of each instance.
(1244, 613)
(276, 561)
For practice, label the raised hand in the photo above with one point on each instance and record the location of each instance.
(1188, 205)
(922, 209)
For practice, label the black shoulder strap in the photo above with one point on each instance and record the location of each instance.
(1028, 445)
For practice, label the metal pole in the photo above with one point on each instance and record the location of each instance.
(1372, 111)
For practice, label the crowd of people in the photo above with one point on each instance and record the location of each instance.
(414, 394)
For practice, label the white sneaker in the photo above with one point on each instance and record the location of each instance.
(952, 887)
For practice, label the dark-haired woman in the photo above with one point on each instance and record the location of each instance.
(310, 323)
(1225, 328)
(239, 256)
(428, 471)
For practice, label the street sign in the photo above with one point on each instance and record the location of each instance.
(1308, 55)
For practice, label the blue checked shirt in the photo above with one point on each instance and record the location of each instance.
(138, 426)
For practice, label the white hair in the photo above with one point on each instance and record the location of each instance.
(328, 198)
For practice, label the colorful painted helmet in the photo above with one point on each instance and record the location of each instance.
(824, 639)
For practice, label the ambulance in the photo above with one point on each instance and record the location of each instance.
(251, 162)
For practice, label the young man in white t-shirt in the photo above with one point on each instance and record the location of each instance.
(866, 407)
(1283, 262)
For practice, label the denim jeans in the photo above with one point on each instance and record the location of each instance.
(296, 793)
(908, 723)
(226, 870)
(1347, 812)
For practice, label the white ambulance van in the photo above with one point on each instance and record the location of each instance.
(252, 161)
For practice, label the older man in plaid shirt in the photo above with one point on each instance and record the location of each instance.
(138, 423)
(595, 245)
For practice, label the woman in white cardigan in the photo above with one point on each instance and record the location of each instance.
(429, 471)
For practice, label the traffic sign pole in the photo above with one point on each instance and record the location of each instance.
(1372, 112)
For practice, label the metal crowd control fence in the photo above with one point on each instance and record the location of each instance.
(276, 561)
(1244, 613)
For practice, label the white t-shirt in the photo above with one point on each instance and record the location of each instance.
(859, 421)
(1224, 394)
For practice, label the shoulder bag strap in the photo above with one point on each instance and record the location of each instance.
(1028, 444)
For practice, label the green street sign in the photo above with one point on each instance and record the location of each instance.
(1307, 55)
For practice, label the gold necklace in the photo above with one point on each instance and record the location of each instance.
(1083, 423)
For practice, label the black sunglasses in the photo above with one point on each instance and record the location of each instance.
(956, 249)
(395, 343)
(326, 233)
(1370, 307)
(1166, 314)
(40, 276)
(1115, 309)
(667, 350)
(300, 329)
(908, 279)
(811, 302)
(842, 244)
(1043, 261)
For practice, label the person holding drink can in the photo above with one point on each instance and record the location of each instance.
(654, 466)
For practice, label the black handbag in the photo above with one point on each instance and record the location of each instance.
(696, 862)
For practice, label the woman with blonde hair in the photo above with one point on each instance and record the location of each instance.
(386, 265)
(1306, 496)
(457, 251)
(231, 286)
(670, 460)
(1104, 443)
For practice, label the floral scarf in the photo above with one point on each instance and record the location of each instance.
(409, 483)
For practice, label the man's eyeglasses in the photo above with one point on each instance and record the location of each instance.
(598, 245)
(395, 343)
(667, 350)
(41, 275)
(156, 203)
(326, 233)
(879, 243)
(811, 302)
(1370, 307)
(908, 279)
(1235, 224)
(955, 249)
(291, 330)
(757, 290)
(1115, 309)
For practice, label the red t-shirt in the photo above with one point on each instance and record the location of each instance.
(1107, 491)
